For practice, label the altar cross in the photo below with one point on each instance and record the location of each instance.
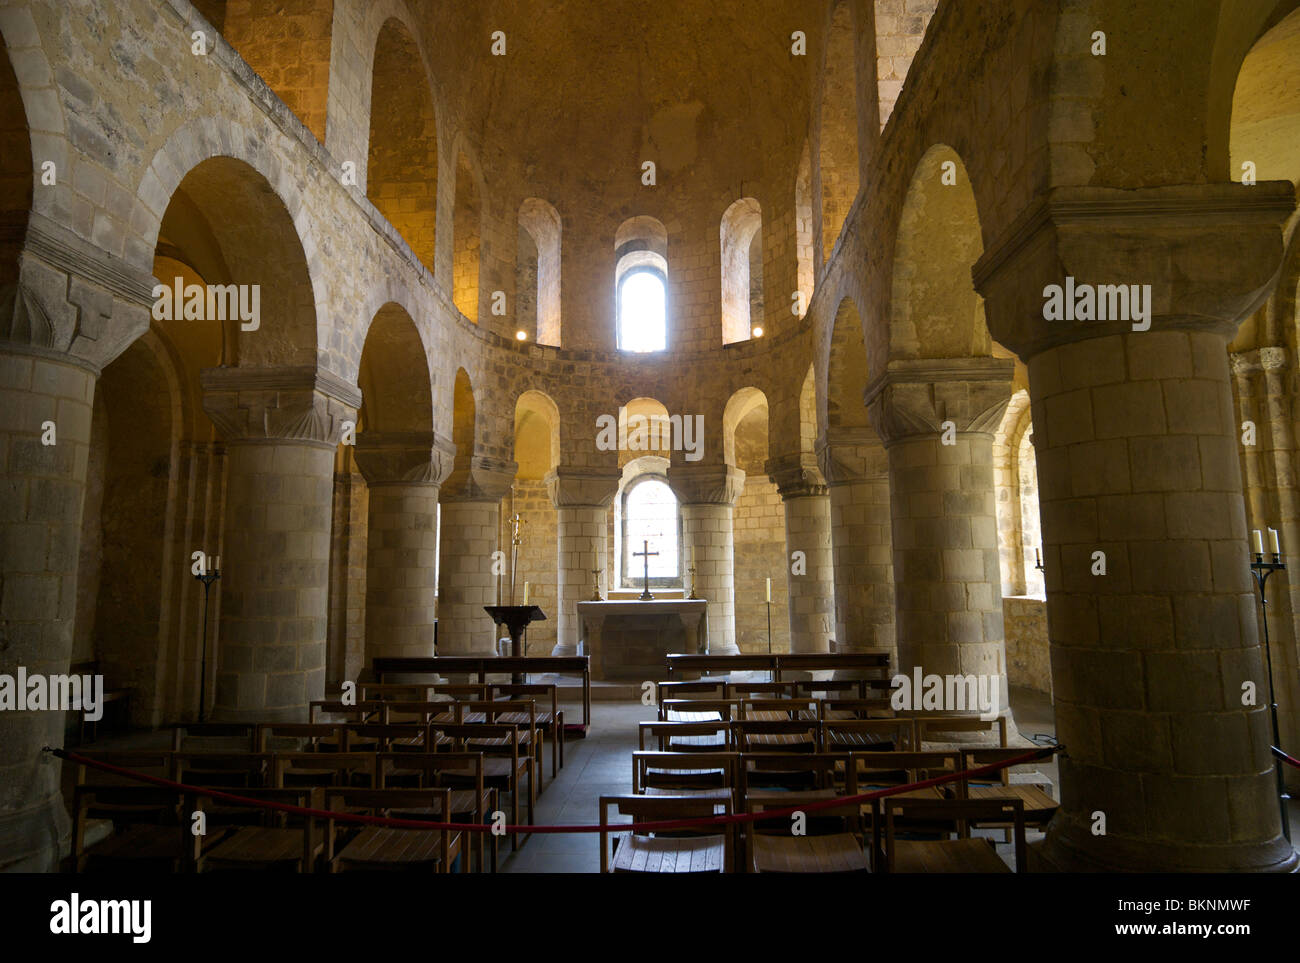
(645, 554)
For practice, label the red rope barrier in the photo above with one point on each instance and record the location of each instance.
(1030, 756)
(1288, 759)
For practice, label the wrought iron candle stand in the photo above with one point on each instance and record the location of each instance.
(207, 578)
(1262, 570)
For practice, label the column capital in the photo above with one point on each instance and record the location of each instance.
(574, 487)
(479, 479)
(849, 455)
(300, 404)
(1177, 239)
(404, 457)
(796, 475)
(916, 397)
(706, 484)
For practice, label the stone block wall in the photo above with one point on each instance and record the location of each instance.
(759, 521)
(1029, 662)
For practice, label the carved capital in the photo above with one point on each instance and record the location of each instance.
(917, 397)
(852, 455)
(479, 479)
(303, 404)
(571, 487)
(1210, 252)
(404, 457)
(706, 484)
(796, 475)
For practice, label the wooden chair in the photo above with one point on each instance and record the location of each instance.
(233, 770)
(698, 710)
(700, 689)
(151, 830)
(686, 736)
(1038, 806)
(829, 688)
(854, 709)
(775, 735)
(280, 842)
(215, 736)
(505, 768)
(427, 770)
(151, 762)
(386, 691)
(550, 722)
(761, 690)
(352, 847)
(297, 737)
(361, 711)
(832, 841)
(776, 709)
(365, 737)
(685, 773)
(849, 735)
(520, 713)
(930, 727)
(965, 854)
(332, 769)
(879, 770)
(711, 849)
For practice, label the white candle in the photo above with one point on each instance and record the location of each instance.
(1273, 542)
(1259, 542)
(525, 593)
(769, 590)
(216, 563)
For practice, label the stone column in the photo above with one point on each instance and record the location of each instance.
(471, 523)
(41, 492)
(707, 494)
(581, 497)
(282, 426)
(856, 469)
(403, 471)
(1137, 451)
(937, 420)
(807, 530)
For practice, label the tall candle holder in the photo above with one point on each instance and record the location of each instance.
(595, 595)
(207, 577)
(1262, 570)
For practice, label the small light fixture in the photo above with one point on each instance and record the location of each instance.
(521, 335)
(757, 331)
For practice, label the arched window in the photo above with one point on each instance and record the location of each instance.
(650, 515)
(641, 285)
(642, 311)
(741, 237)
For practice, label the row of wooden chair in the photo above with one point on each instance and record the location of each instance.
(710, 726)
(872, 689)
(195, 832)
(694, 785)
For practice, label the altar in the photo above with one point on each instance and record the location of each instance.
(629, 639)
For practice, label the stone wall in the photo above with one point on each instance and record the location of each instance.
(759, 521)
(1029, 663)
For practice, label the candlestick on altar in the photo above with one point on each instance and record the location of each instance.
(595, 595)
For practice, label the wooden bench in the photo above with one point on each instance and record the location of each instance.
(504, 768)
(686, 736)
(776, 664)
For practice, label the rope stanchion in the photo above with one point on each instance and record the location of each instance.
(1032, 755)
(1288, 759)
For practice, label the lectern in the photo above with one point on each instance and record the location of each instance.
(515, 618)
